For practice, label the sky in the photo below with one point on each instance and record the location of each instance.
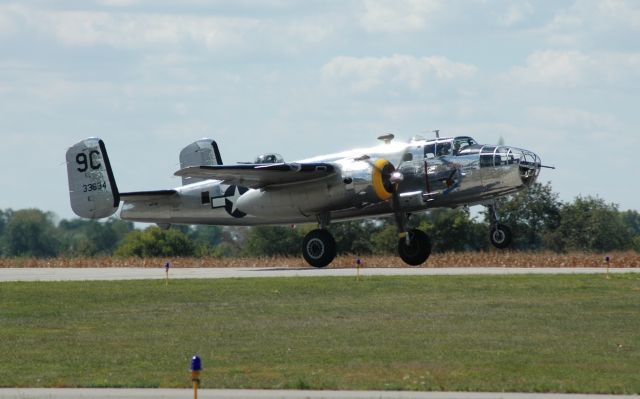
(305, 78)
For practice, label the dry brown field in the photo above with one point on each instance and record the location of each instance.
(449, 259)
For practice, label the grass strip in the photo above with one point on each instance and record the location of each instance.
(530, 333)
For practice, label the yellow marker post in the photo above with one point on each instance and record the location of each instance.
(606, 260)
(196, 367)
(358, 269)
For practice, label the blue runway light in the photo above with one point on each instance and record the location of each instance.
(196, 364)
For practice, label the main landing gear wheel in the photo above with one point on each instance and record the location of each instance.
(418, 250)
(500, 236)
(319, 248)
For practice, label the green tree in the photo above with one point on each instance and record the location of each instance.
(354, 237)
(90, 237)
(30, 232)
(4, 219)
(272, 241)
(590, 224)
(631, 219)
(207, 239)
(453, 230)
(384, 241)
(156, 242)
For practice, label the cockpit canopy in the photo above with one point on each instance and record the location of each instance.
(461, 145)
(269, 158)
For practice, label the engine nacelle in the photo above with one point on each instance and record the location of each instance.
(356, 184)
(369, 182)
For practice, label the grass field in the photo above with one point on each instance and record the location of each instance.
(447, 259)
(578, 333)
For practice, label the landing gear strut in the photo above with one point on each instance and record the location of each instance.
(500, 235)
(414, 246)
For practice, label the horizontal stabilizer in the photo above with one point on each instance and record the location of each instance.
(260, 175)
(147, 195)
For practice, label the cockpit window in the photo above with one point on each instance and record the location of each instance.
(460, 143)
(443, 148)
(429, 150)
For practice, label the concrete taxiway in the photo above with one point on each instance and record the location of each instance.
(37, 393)
(133, 273)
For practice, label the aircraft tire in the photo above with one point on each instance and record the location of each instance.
(500, 236)
(419, 249)
(319, 248)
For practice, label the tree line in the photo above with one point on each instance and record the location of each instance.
(538, 219)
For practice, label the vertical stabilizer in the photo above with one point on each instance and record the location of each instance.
(203, 152)
(92, 187)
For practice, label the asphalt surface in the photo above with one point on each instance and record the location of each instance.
(132, 273)
(37, 393)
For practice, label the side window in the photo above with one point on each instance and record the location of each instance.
(417, 152)
(443, 149)
(429, 149)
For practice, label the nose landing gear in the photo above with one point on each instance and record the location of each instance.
(500, 235)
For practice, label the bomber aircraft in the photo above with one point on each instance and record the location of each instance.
(393, 178)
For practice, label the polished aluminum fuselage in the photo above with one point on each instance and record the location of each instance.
(474, 175)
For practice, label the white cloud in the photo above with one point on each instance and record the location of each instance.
(138, 30)
(6, 25)
(571, 69)
(587, 20)
(516, 13)
(117, 3)
(398, 16)
(367, 73)
(567, 117)
(553, 68)
(121, 29)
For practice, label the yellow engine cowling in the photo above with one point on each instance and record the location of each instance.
(380, 179)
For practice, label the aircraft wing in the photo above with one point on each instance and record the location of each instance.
(260, 175)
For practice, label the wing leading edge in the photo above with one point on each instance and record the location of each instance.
(260, 175)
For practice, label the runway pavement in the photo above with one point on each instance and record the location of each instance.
(37, 393)
(133, 273)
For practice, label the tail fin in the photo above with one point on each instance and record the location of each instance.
(92, 187)
(203, 152)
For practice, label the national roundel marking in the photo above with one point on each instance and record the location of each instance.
(232, 193)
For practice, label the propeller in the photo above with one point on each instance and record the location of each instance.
(386, 180)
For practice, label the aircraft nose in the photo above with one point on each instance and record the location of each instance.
(529, 165)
